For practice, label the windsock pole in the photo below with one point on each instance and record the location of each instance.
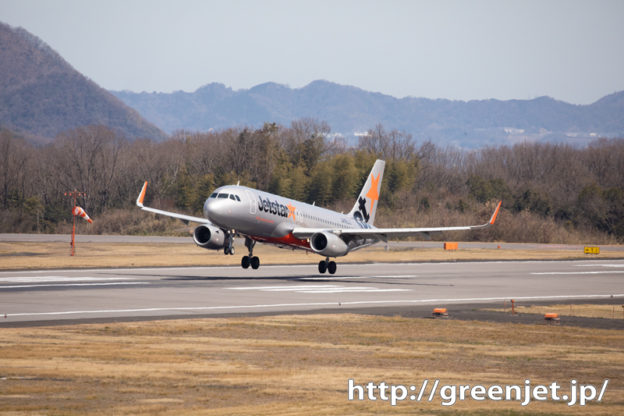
(74, 194)
(73, 242)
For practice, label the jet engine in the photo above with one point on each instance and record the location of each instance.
(328, 244)
(209, 237)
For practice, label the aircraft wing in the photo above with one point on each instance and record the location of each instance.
(384, 233)
(185, 218)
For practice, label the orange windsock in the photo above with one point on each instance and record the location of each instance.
(79, 212)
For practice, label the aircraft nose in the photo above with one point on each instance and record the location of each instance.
(215, 209)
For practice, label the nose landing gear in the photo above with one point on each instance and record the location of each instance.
(229, 244)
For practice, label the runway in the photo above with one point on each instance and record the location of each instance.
(133, 239)
(74, 295)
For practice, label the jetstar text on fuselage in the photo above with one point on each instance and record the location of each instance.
(274, 207)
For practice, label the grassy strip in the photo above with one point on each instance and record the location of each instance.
(20, 255)
(614, 311)
(291, 365)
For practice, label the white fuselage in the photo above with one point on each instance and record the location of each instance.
(271, 218)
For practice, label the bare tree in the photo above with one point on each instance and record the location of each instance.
(86, 159)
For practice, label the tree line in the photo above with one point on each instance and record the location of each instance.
(550, 192)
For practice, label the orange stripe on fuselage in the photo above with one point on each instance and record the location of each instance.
(288, 240)
(265, 220)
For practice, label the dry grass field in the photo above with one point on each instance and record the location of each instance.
(27, 255)
(293, 365)
(615, 311)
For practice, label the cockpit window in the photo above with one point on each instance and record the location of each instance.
(223, 195)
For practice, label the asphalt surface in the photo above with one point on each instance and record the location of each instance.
(137, 239)
(87, 238)
(49, 297)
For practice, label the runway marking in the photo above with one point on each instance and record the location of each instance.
(361, 289)
(332, 278)
(312, 304)
(397, 276)
(394, 276)
(600, 265)
(42, 279)
(323, 289)
(72, 284)
(277, 288)
(131, 270)
(596, 272)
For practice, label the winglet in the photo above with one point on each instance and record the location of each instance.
(141, 196)
(493, 215)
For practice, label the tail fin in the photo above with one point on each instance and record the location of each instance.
(366, 204)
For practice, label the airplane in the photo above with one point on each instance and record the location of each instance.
(258, 216)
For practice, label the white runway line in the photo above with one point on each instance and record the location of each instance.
(353, 290)
(320, 289)
(332, 278)
(72, 284)
(596, 272)
(131, 270)
(600, 265)
(393, 276)
(44, 279)
(199, 309)
(278, 288)
(397, 276)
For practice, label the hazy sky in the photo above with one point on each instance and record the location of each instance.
(569, 50)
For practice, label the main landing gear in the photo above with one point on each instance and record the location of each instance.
(250, 260)
(246, 261)
(327, 266)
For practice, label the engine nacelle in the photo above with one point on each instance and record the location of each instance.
(328, 244)
(209, 237)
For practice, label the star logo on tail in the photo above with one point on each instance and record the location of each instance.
(373, 192)
(291, 211)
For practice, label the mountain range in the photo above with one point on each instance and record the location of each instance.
(351, 111)
(42, 95)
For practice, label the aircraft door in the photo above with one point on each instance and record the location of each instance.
(252, 202)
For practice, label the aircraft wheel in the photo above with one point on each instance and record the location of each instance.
(322, 266)
(255, 262)
(232, 251)
(226, 250)
(331, 267)
(245, 262)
